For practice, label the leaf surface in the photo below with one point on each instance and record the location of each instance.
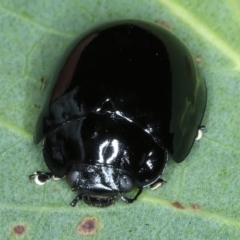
(201, 197)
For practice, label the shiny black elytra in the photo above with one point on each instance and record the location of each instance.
(128, 96)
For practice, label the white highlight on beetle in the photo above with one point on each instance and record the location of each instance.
(148, 130)
(123, 116)
(149, 163)
(102, 149)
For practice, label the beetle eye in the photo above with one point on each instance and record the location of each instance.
(72, 177)
(126, 184)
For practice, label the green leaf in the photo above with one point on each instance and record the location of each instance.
(201, 197)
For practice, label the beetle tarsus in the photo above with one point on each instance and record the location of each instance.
(157, 184)
(41, 177)
(200, 132)
(75, 200)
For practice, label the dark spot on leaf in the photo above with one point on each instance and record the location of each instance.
(163, 24)
(19, 229)
(88, 226)
(195, 207)
(178, 205)
(37, 106)
(188, 66)
(43, 83)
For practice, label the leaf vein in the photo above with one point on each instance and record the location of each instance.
(203, 31)
(37, 24)
(188, 210)
(15, 128)
(222, 144)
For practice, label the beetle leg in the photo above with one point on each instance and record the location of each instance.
(157, 184)
(76, 199)
(41, 177)
(131, 200)
(200, 132)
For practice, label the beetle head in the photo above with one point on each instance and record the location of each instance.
(99, 185)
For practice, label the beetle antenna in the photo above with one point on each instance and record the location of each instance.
(131, 200)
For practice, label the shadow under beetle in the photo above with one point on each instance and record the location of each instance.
(128, 96)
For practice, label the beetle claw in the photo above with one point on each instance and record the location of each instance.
(200, 132)
(75, 200)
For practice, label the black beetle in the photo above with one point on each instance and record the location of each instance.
(128, 96)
